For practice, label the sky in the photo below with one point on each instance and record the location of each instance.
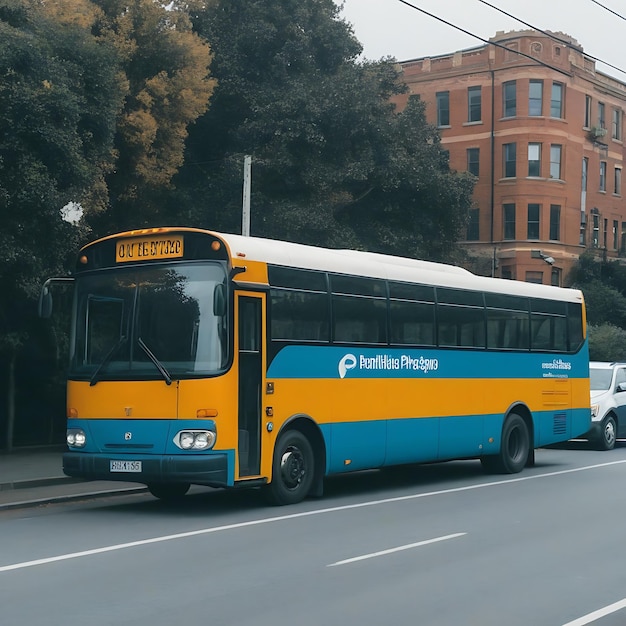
(392, 28)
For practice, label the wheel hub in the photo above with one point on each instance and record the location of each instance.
(292, 467)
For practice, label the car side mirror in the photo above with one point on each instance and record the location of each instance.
(620, 387)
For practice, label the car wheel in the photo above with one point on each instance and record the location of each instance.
(608, 433)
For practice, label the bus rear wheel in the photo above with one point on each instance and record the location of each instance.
(514, 448)
(292, 469)
(168, 492)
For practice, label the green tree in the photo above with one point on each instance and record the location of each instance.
(605, 305)
(607, 343)
(59, 98)
(165, 69)
(333, 163)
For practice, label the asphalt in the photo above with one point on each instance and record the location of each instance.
(34, 476)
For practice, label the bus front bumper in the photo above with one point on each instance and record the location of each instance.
(210, 470)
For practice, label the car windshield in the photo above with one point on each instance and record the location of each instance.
(151, 322)
(600, 378)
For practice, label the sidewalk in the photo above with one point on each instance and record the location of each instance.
(32, 476)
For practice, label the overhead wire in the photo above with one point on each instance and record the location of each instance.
(498, 45)
(565, 42)
(487, 41)
(609, 10)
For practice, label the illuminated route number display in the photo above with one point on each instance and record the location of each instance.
(147, 248)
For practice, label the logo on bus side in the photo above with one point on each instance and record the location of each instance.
(348, 362)
(386, 362)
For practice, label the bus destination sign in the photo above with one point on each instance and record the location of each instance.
(149, 248)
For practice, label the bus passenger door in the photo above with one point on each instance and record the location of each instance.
(250, 353)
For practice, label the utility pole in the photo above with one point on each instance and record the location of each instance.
(245, 214)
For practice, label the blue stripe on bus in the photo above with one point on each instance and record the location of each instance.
(364, 445)
(336, 362)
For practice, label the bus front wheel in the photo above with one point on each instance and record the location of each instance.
(168, 492)
(292, 469)
(514, 448)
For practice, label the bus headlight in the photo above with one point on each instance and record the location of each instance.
(195, 439)
(75, 437)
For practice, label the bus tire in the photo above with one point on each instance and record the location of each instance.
(514, 448)
(293, 469)
(168, 492)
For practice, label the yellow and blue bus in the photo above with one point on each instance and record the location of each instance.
(216, 359)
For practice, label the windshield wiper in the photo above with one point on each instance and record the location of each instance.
(159, 365)
(107, 358)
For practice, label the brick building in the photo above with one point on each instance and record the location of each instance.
(542, 130)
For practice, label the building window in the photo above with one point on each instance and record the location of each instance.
(534, 159)
(555, 161)
(534, 277)
(473, 232)
(601, 117)
(615, 234)
(605, 233)
(509, 160)
(595, 242)
(617, 124)
(510, 99)
(533, 221)
(443, 108)
(555, 222)
(535, 97)
(587, 111)
(556, 102)
(602, 175)
(506, 272)
(556, 277)
(585, 171)
(617, 181)
(509, 221)
(473, 156)
(474, 113)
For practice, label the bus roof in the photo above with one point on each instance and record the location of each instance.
(359, 263)
(376, 265)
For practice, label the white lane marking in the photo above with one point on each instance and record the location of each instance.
(280, 518)
(408, 546)
(592, 617)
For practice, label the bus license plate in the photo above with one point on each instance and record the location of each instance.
(125, 466)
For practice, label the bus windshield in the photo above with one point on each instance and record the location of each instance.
(150, 322)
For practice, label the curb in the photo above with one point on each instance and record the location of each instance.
(39, 482)
(70, 497)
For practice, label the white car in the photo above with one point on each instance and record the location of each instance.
(608, 403)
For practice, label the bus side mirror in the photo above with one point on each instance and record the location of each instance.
(44, 307)
(219, 300)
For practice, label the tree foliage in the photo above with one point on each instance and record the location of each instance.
(57, 121)
(333, 163)
(607, 343)
(59, 99)
(165, 68)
